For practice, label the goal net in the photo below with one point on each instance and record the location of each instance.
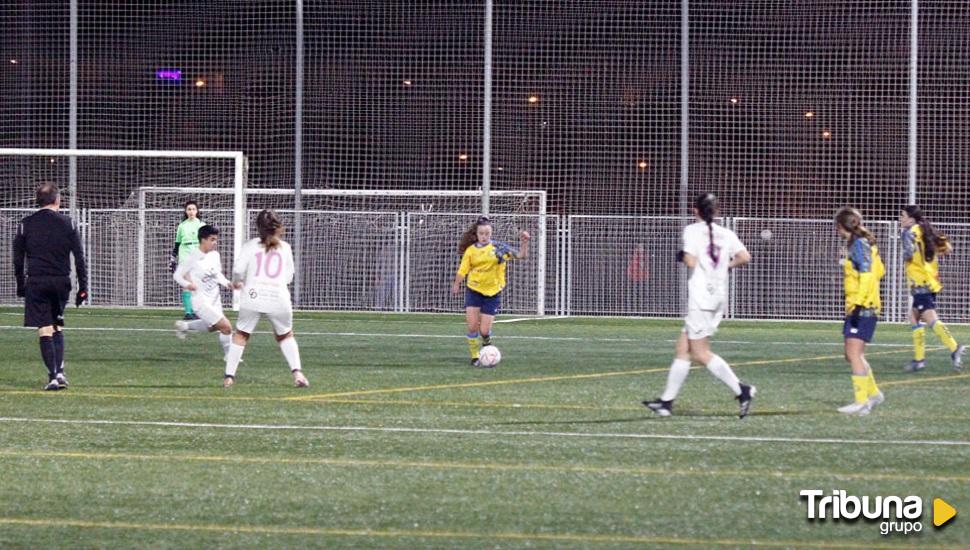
(371, 250)
(100, 189)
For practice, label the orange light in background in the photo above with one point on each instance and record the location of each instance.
(809, 114)
(407, 82)
(735, 100)
(199, 83)
(826, 134)
(14, 61)
(500, 168)
(463, 156)
(642, 165)
(533, 98)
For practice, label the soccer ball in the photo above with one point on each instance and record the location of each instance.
(489, 356)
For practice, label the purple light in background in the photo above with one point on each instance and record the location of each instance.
(168, 74)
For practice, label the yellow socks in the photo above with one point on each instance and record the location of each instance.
(944, 335)
(860, 387)
(871, 387)
(473, 345)
(919, 342)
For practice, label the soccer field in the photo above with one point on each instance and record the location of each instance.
(399, 443)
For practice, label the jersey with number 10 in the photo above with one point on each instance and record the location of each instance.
(265, 274)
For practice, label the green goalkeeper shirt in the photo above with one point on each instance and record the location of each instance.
(187, 236)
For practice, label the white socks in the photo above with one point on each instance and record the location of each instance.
(233, 356)
(292, 353)
(198, 326)
(723, 372)
(224, 341)
(675, 379)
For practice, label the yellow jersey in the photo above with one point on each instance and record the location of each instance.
(921, 274)
(863, 270)
(484, 266)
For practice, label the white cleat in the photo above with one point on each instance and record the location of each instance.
(181, 329)
(857, 409)
(957, 358)
(876, 400)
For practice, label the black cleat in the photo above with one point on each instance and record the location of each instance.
(61, 380)
(52, 386)
(744, 400)
(662, 408)
(476, 363)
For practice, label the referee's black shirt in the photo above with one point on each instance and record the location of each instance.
(47, 239)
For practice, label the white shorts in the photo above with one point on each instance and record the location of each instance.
(210, 312)
(282, 320)
(702, 323)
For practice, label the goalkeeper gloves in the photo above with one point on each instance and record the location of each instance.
(81, 296)
(172, 263)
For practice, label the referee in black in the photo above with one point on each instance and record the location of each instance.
(46, 239)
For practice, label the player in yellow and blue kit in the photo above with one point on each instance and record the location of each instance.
(483, 264)
(863, 268)
(922, 247)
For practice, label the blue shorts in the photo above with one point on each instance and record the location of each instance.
(488, 304)
(924, 302)
(864, 329)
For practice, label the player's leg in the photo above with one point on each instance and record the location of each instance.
(473, 317)
(857, 332)
(930, 317)
(187, 306)
(489, 308)
(679, 369)
(59, 300)
(38, 313)
(224, 330)
(245, 325)
(919, 341)
(282, 322)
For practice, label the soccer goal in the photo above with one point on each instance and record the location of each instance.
(100, 190)
(369, 249)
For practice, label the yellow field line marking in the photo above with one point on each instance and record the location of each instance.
(324, 396)
(395, 533)
(922, 380)
(490, 466)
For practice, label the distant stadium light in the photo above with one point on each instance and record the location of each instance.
(169, 74)
(407, 82)
(199, 83)
(463, 156)
(14, 61)
(533, 98)
(642, 165)
(809, 114)
(735, 100)
(826, 134)
(500, 168)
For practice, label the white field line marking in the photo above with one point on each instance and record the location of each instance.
(521, 319)
(593, 435)
(459, 335)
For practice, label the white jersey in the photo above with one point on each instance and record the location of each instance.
(707, 288)
(265, 276)
(205, 270)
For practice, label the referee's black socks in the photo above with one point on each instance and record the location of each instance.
(48, 354)
(58, 351)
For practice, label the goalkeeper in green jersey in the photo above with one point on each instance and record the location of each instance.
(186, 240)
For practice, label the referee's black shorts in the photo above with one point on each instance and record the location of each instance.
(45, 299)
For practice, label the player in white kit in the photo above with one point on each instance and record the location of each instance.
(709, 250)
(201, 273)
(262, 272)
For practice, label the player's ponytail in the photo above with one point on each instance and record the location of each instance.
(268, 224)
(934, 242)
(850, 220)
(470, 236)
(706, 205)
